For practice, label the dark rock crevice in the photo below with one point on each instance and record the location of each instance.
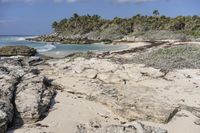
(15, 112)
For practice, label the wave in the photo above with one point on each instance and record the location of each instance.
(25, 37)
(21, 39)
(46, 48)
(12, 38)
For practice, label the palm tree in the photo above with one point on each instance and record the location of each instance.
(75, 15)
(156, 13)
(54, 25)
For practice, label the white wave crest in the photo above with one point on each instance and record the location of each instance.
(21, 39)
(46, 48)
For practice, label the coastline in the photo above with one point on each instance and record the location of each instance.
(133, 69)
(105, 87)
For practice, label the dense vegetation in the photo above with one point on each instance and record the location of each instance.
(189, 25)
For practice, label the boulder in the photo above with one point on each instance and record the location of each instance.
(33, 97)
(17, 50)
(25, 95)
(7, 88)
(197, 122)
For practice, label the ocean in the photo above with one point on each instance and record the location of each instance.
(57, 50)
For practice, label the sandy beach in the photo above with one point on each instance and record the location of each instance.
(99, 95)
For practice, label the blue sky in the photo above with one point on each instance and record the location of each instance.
(20, 17)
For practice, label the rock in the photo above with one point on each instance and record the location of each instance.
(119, 129)
(35, 71)
(3, 122)
(130, 91)
(17, 50)
(7, 89)
(33, 97)
(9, 78)
(81, 129)
(25, 95)
(197, 122)
(3, 70)
(194, 110)
(90, 73)
(34, 60)
(150, 129)
(79, 69)
(138, 102)
(134, 127)
(133, 39)
(13, 67)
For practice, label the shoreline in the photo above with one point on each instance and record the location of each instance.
(63, 54)
(119, 95)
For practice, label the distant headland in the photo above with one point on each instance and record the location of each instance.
(89, 29)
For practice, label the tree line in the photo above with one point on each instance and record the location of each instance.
(84, 24)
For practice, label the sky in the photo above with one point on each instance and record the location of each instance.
(34, 17)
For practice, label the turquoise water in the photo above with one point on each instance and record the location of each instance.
(57, 50)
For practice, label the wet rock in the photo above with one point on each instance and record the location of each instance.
(17, 50)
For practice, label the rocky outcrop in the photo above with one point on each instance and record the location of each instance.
(33, 96)
(158, 35)
(17, 50)
(131, 91)
(134, 127)
(24, 96)
(112, 36)
(7, 89)
(69, 40)
(3, 122)
(105, 94)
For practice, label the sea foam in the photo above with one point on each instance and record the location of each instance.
(46, 48)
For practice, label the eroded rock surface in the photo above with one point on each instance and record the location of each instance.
(130, 91)
(24, 97)
(102, 95)
(134, 127)
(33, 96)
